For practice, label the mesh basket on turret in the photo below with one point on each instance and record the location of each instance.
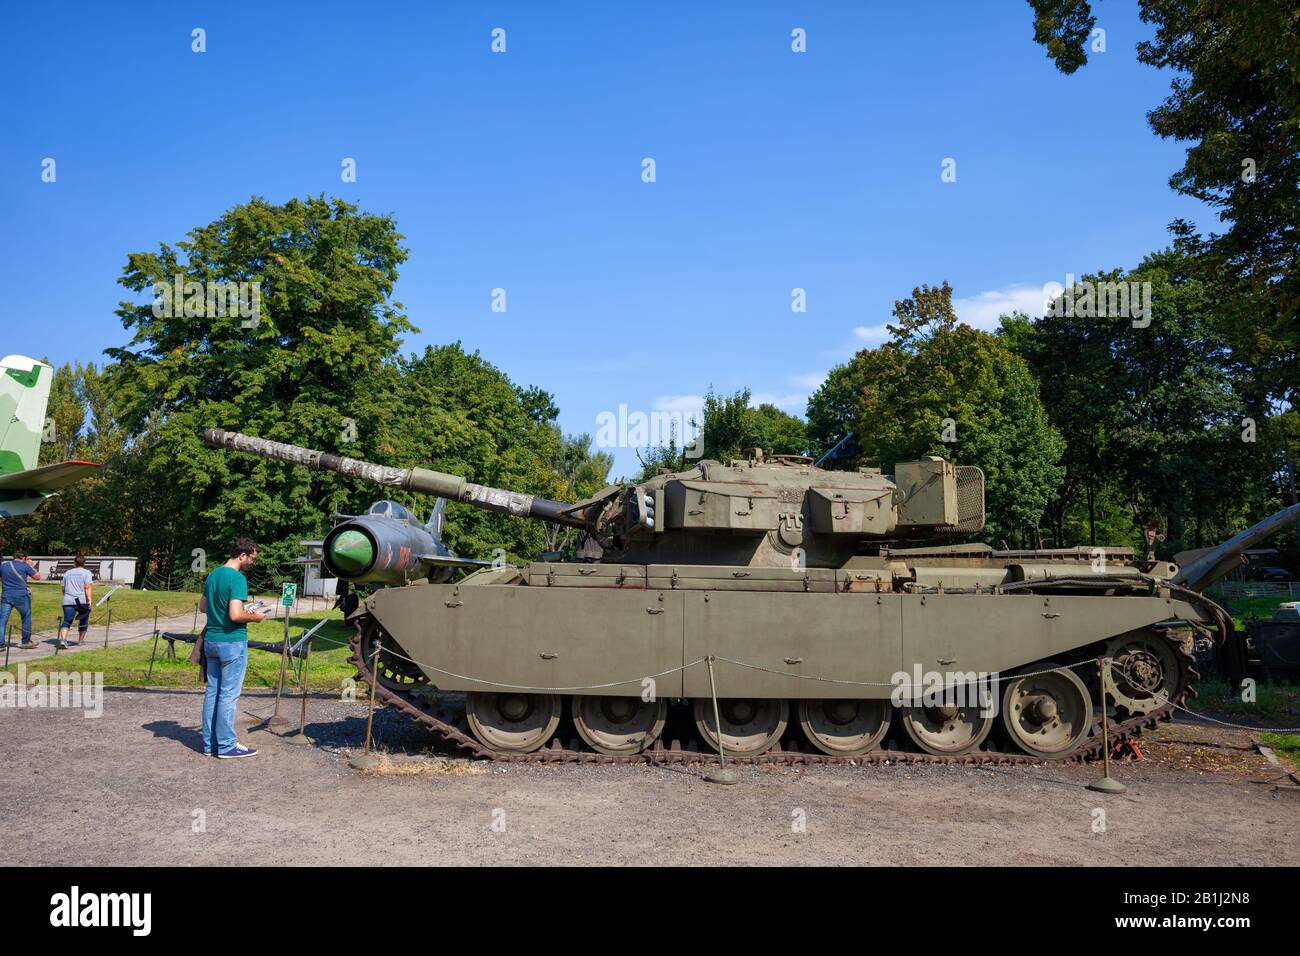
(970, 499)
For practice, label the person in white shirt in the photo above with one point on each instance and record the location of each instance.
(77, 595)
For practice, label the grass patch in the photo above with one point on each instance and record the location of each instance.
(128, 605)
(1271, 700)
(1286, 746)
(1243, 608)
(127, 665)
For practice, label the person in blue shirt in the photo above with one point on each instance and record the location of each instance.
(225, 646)
(14, 596)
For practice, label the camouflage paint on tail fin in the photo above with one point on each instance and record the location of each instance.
(24, 391)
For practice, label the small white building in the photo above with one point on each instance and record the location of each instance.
(313, 585)
(111, 569)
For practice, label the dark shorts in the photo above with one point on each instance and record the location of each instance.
(82, 614)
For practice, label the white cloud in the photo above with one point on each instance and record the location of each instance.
(690, 404)
(809, 381)
(871, 334)
(789, 401)
(981, 311)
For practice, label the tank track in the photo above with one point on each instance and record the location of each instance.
(455, 731)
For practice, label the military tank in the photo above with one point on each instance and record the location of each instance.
(786, 594)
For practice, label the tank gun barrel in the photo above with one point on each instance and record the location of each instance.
(421, 480)
(1209, 566)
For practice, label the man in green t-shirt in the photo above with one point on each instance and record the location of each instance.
(225, 644)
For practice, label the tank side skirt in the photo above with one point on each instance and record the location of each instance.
(431, 714)
(574, 637)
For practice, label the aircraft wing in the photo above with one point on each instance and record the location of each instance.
(48, 478)
(451, 561)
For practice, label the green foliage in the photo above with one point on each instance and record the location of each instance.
(127, 665)
(1235, 100)
(729, 425)
(458, 413)
(936, 379)
(1151, 417)
(320, 352)
(1063, 27)
(318, 365)
(1288, 745)
(1271, 700)
(82, 518)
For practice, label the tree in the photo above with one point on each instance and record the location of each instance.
(1152, 415)
(834, 406)
(310, 360)
(941, 388)
(584, 472)
(97, 513)
(456, 412)
(1235, 99)
(730, 425)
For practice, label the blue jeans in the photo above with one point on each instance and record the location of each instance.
(82, 614)
(22, 603)
(226, 663)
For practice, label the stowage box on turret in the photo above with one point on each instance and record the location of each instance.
(787, 591)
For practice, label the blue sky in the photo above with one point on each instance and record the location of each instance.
(523, 171)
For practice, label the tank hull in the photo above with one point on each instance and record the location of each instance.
(602, 638)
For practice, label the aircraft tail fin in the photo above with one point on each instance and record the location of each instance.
(24, 393)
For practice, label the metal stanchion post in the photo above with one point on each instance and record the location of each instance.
(367, 760)
(1107, 784)
(153, 653)
(107, 624)
(194, 628)
(301, 736)
(276, 720)
(722, 774)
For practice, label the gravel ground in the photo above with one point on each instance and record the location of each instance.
(132, 788)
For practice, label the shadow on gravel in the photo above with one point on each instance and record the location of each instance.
(171, 730)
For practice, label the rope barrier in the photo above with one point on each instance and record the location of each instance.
(547, 690)
(997, 678)
(1225, 723)
(994, 678)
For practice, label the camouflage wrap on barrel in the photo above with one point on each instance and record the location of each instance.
(420, 480)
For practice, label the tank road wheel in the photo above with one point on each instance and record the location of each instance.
(946, 730)
(619, 725)
(1144, 674)
(844, 728)
(512, 723)
(1047, 715)
(396, 672)
(750, 726)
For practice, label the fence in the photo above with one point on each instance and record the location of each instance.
(267, 584)
(1231, 589)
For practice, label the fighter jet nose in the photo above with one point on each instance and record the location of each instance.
(351, 552)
